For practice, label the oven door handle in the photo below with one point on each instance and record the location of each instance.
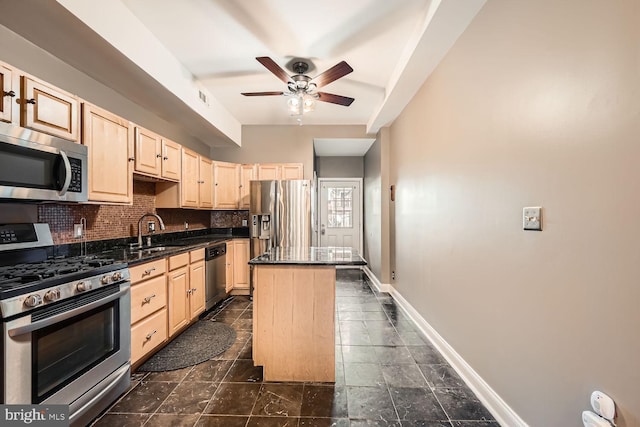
(21, 330)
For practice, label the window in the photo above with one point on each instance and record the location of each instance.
(340, 207)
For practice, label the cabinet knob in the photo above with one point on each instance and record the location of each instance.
(131, 159)
(158, 155)
(10, 93)
(165, 158)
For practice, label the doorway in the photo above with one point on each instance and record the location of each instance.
(340, 208)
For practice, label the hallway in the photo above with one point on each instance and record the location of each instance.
(386, 375)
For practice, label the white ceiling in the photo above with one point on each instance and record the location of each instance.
(174, 49)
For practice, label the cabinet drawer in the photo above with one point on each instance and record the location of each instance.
(196, 255)
(148, 334)
(148, 297)
(178, 261)
(147, 270)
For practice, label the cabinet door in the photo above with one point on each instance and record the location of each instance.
(178, 285)
(241, 264)
(47, 109)
(291, 171)
(189, 183)
(196, 283)
(225, 185)
(9, 92)
(171, 160)
(206, 183)
(247, 174)
(148, 152)
(229, 266)
(268, 171)
(109, 140)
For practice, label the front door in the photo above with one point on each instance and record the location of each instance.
(340, 213)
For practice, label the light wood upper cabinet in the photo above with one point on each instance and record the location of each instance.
(248, 172)
(226, 190)
(171, 162)
(9, 93)
(291, 171)
(109, 140)
(48, 109)
(148, 158)
(190, 177)
(268, 171)
(280, 171)
(205, 182)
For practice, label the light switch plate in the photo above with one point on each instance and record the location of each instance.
(532, 218)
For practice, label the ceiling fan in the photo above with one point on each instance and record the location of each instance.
(303, 89)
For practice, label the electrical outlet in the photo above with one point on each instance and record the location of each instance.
(186, 225)
(151, 226)
(532, 218)
(77, 231)
(244, 222)
(393, 275)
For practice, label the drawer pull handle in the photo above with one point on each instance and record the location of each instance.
(10, 93)
(194, 289)
(148, 271)
(30, 101)
(148, 337)
(148, 299)
(158, 155)
(189, 291)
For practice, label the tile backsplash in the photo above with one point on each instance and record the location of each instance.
(117, 221)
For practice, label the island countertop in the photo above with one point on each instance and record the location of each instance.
(310, 256)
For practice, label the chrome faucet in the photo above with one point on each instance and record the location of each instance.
(156, 216)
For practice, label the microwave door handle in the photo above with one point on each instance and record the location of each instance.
(67, 172)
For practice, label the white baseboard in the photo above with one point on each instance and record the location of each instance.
(379, 286)
(494, 403)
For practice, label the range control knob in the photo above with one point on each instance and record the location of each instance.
(105, 280)
(82, 287)
(52, 295)
(32, 300)
(116, 276)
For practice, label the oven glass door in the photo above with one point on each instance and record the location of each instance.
(64, 351)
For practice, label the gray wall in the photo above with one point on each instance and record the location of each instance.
(340, 167)
(24, 55)
(538, 103)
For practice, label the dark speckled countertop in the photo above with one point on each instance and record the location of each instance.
(310, 256)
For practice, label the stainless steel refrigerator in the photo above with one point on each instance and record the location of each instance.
(280, 214)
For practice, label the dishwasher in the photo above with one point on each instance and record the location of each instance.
(215, 274)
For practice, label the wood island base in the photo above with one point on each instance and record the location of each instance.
(293, 322)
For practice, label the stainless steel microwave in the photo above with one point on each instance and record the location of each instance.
(40, 167)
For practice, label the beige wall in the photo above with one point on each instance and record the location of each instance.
(538, 103)
(274, 144)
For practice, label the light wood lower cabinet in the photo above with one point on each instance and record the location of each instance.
(229, 267)
(148, 308)
(185, 289)
(241, 267)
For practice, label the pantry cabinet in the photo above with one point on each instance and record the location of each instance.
(109, 140)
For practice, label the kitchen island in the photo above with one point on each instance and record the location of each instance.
(294, 311)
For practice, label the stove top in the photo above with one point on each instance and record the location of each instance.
(37, 271)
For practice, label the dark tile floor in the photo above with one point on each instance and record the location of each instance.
(387, 375)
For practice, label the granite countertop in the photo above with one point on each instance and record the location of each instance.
(310, 256)
(173, 244)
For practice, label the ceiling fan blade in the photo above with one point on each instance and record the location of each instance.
(262, 93)
(332, 74)
(335, 99)
(274, 68)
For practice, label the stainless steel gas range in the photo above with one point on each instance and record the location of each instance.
(66, 335)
